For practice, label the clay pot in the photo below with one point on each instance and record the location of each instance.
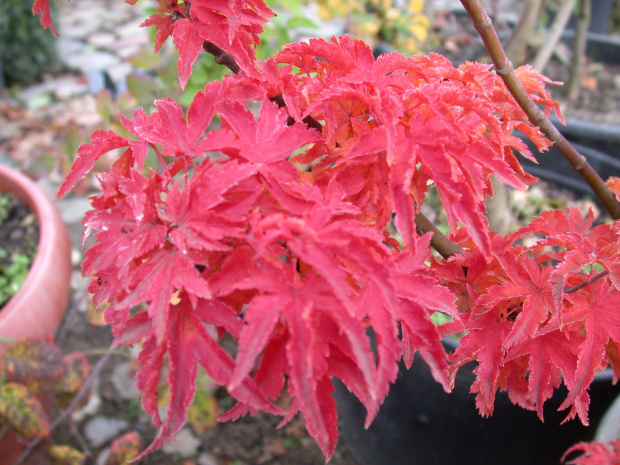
(37, 309)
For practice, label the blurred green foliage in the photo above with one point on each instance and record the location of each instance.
(27, 51)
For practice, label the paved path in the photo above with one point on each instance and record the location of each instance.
(101, 35)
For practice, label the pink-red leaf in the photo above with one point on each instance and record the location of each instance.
(43, 7)
(88, 154)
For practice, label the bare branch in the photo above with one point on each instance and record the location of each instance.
(503, 67)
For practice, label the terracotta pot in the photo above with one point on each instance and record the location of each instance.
(38, 308)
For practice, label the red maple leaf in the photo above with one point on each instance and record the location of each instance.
(168, 126)
(88, 154)
(597, 310)
(548, 356)
(484, 342)
(595, 453)
(528, 288)
(43, 7)
(156, 280)
(187, 344)
(200, 213)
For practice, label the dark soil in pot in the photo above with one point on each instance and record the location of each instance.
(19, 236)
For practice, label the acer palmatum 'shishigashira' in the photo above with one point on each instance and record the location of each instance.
(294, 225)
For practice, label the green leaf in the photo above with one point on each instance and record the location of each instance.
(22, 412)
(300, 21)
(294, 6)
(203, 411)
(142, 86)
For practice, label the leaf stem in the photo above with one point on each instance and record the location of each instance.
(503, 66)
(161, 158)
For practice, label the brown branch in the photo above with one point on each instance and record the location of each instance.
(223, 58)
(309, 120)
(444, 246)
(554, 36)
(503, 66)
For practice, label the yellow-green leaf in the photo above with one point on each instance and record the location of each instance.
(22, 412)
(70, 384)
(35, 363)
(65, 455)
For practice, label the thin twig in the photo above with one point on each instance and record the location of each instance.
(223, 58)
(522, 34)
(570, 290)
(579, 49)
(309, 120)
(503, 67)
(552, 39)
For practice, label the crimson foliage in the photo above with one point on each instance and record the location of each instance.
(295, 242)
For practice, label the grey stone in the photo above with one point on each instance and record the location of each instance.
(68, 88)
(131, 28)
(101, 39)
(73, 209)
(92, 406)
(120, 71)
(89, 61)
(206, 459)
(102, 458)
(80, 12)
(67, 46)
(80, 30)
(100, 430)
(123, 381)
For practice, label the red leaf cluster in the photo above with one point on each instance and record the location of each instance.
(302, 245)
(541, 315)
(595, 453)
(233, 26)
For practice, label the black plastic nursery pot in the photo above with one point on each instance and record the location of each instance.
(600, 48)
(554, 168)
(598, 136)
(420, 424)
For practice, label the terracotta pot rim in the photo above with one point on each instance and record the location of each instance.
(54, 252)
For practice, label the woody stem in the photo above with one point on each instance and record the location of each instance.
(504, 69)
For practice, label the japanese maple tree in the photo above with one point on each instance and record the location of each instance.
(286, 213)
